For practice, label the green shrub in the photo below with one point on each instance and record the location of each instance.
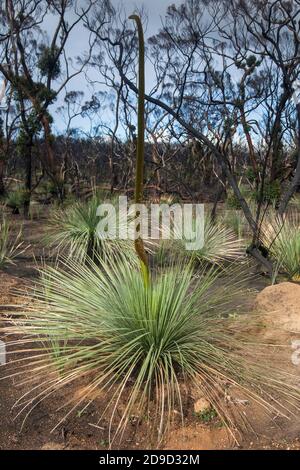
(220, 244)
(74, 230)
(250, 175)
(236, 221)
(295, 202)
(232, 201)
(271, 192)
(281, 235)
(54, 188)
(10, 244)
(16, 200)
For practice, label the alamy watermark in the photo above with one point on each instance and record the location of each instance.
(2, 353)
(295, 344)
(152, 222)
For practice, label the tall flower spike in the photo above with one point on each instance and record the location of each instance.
(139, 176)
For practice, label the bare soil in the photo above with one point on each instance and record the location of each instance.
(83, 431)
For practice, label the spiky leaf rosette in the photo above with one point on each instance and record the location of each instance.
(281, 235)
(11, 245)
(142, 346)
(74, 231)
(220, 243)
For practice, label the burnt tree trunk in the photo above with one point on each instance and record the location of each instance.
(295, 183)
(28, 174)
(2, 186)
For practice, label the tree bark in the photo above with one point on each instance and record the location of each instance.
(2, 186)
(295, 183)
(28, 175)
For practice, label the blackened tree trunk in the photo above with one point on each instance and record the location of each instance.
(295, 183)
(2, 160)
(28, 174)
(2, 187)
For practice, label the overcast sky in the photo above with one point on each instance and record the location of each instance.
(155, 9)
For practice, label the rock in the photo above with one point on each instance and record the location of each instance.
(280, 306)
(201, 405)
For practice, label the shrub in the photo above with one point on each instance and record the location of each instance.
(232, 201)
(143, 345)
(250, 175)
(220, 244)
(10, 244)
(55, 188)
(74, 229)
(281, 235)
(271, 192)
(16, 200)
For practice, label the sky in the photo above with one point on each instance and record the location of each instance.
(155, 9)
(77, 44)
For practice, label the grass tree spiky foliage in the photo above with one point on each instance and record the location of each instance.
(11, 245)
(220, 243)
(236, 221)
(295, 202)
(74, 230)
(16, 200)
(143, 345)
(281, 235)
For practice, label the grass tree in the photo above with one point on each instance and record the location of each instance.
(75, 231)
(11, 245)
(145, 346)
(220, 244)
(282, 237)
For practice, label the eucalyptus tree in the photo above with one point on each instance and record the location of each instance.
(264, 40)
(9, 127)
(35, 63)
(2, 157)
(243, 60)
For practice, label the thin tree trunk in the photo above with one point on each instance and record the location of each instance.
(49, 149)
(2, 186)
(295, 183)
(221, 189)
(28, 175)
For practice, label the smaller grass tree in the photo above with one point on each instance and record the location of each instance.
(282, 237)
(11, 245)
(74, 231)
(220, 244)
